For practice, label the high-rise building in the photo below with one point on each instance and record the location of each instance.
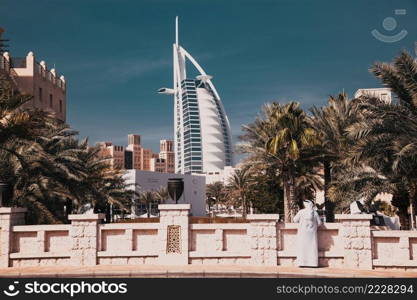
(166, 146)
(146, 156)
(202, 135)
(128, 160)
(34, 78)
(158, 165)
(141, 157)
(115, 154)
(167, 154)
(133, 139)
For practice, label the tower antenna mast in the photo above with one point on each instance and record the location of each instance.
(176, 31)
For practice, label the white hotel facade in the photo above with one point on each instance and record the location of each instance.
(202, 134)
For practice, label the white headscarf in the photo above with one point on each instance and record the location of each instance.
(308, 205)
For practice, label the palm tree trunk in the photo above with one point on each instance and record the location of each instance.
(327, 203)
(216, 207)
(400, 199)
(413, 196)
(404, 219)
(111, 213)
(287, 203)
(292, 199)
(108, 213)
(149, 209)
(244, 206)
(68, 208)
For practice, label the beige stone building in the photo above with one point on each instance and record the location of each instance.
(158, 165)
(34, 78)
(116, 154)
(384, 94)
(166, 154)
(135, 156)
(141, 157)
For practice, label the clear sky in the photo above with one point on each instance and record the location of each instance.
(115, 54)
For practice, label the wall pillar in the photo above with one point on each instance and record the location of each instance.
(9, 216)
(173, 234)
(263, 239)
(357, 243)
(84, 233)
(403, 251)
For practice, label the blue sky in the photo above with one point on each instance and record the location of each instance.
(115, 54)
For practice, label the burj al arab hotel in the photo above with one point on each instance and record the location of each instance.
(202, 134)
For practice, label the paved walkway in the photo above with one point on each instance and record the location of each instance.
(154, 271)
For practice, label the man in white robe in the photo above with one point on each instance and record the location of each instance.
(307, 245)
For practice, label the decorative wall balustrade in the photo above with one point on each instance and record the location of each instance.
(349, 243)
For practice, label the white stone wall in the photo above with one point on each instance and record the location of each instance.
(222, 243)
(357, 245)
(351, 243)
(40, 245)
(394, 249)
(84, 235)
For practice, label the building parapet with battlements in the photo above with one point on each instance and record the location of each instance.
(34, 78)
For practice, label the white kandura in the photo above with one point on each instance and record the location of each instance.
(307, 245)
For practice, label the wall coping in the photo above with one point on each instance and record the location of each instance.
(86, 217)
(119, 254)
(40, 255)
(174, 206)
(222, 226)
(134, 226)
(394, 233)
(392, 263)
(12, 210)
(42, 227)
(324, 226)
(263, 217)
(217, 254)
(322, 254)
(353, 217)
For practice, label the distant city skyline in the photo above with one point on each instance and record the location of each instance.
(114, 54)
(135, 156)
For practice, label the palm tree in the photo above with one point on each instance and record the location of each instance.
(147, 198)
(308, 180)
(48, 167)
(19, 127)
(215, 193)
(59, 171)
(239, 187)
(387, 137)
(357, 182)
(385, 140)
(162, 195)
(293, 138)
(103, 184)
(275, 167)
(331, 123)
(15, 122)
(266, 195)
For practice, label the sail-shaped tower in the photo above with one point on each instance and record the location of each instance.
(202, 134)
